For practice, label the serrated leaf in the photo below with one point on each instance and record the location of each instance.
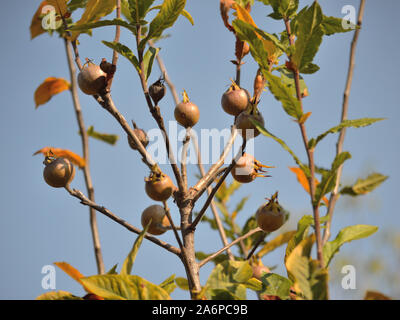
(58, 295)
(124, 287)
(356, 123)
(182, 283)
(275, 243)
(63, 153)
(94, 11)
(105, 137)
(276, 285)
(284, 94)
(102, 23)
(364, 186)
(130, 259)
(328, 180)
(309, 36)
(165, 18)
(346, 235)
(148, 60)
(124, 51)
(48, 88)
(268, 134)
(332, 25)
(168, 284)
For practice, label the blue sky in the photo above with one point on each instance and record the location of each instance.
(40, 225)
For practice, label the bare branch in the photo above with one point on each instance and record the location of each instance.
(345, 106)
(248, 234)
(184, 158)
(84, 200)
(171, 222)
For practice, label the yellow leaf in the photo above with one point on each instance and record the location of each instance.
(36, 23)
(50, 87)
(305, 116)
(302, 179)
(63, 153)
(275, 243)
(94, 11)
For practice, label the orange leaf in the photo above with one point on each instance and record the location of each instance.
(60, 6)
(36, 23)
(304, 117)
(72, 272)
(302, 179)
(63, 153)
(50, 87)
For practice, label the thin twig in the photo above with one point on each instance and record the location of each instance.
(86, 155)
(84, 200)
(213, 207)
(218, 185)
(310, 156)
(248, 234)
(117, 32)
(259, 241)
(345, 106)
(171, 222)
(184, 158)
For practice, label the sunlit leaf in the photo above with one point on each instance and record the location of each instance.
(168, 284)
(102, 23)
(62, 153)
(332, 25)
(182, 283)
(124, 51)
(184, 13)
(375, 295)
(148, 60)
(364, 186)
(275, 243)
(36, 23)
(105, 137)
(58, 295)
(276, 285)
(50, 87)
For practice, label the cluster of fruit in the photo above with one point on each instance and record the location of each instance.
(59, 172)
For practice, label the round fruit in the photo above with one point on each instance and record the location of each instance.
(157, 90)
(58, 172)
(142, 136)
(91, 79)
(186, 113)
(259, 270)
(235, 100)
(243, 122)
(159, 221)
(270, 216)
(159, 186)
(247, 168)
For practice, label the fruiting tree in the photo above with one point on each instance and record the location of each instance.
(282, 59)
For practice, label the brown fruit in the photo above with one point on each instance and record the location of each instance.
(159, 221)
(246, 128)
(159, 186)
(247, 168)
(270, 216)
(157, 90)
(91, 79)
(259, 270)
(58, 172)
(186, 113)
(142, 136)
(235, 100)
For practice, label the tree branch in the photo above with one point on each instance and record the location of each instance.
(248, 234)
(85, 201)
(184, 159)
(345, 106)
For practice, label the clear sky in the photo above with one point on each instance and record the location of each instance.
(40, 225)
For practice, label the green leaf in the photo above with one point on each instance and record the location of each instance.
(182, 283)
(356, 123)
(309, 68)
(364, 186)
(105, 137)
(183, 13)
(275, 243)
(328, 180)
(124, 287)
(113, 270)
(332, 25)
(148, 60)
(76, 4)
(284, 94)
(276, 285)
(58, 295)
(230, 276)
(346, 235)
(124, 51)
(284, 8)
(254, 284)
(130, 259)
(302, 232)
(266, 133)
(288, 79)
(218, 259)
(102, 23)
(309, 36)
(246, 32)
(138, 9)
(166, 17)
(222, 294)
(169, 284)
(266, 2)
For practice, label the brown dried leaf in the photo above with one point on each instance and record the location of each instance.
(225, 6)
(36, 23)
(374, 295)
(50, 87)
(63, 153)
